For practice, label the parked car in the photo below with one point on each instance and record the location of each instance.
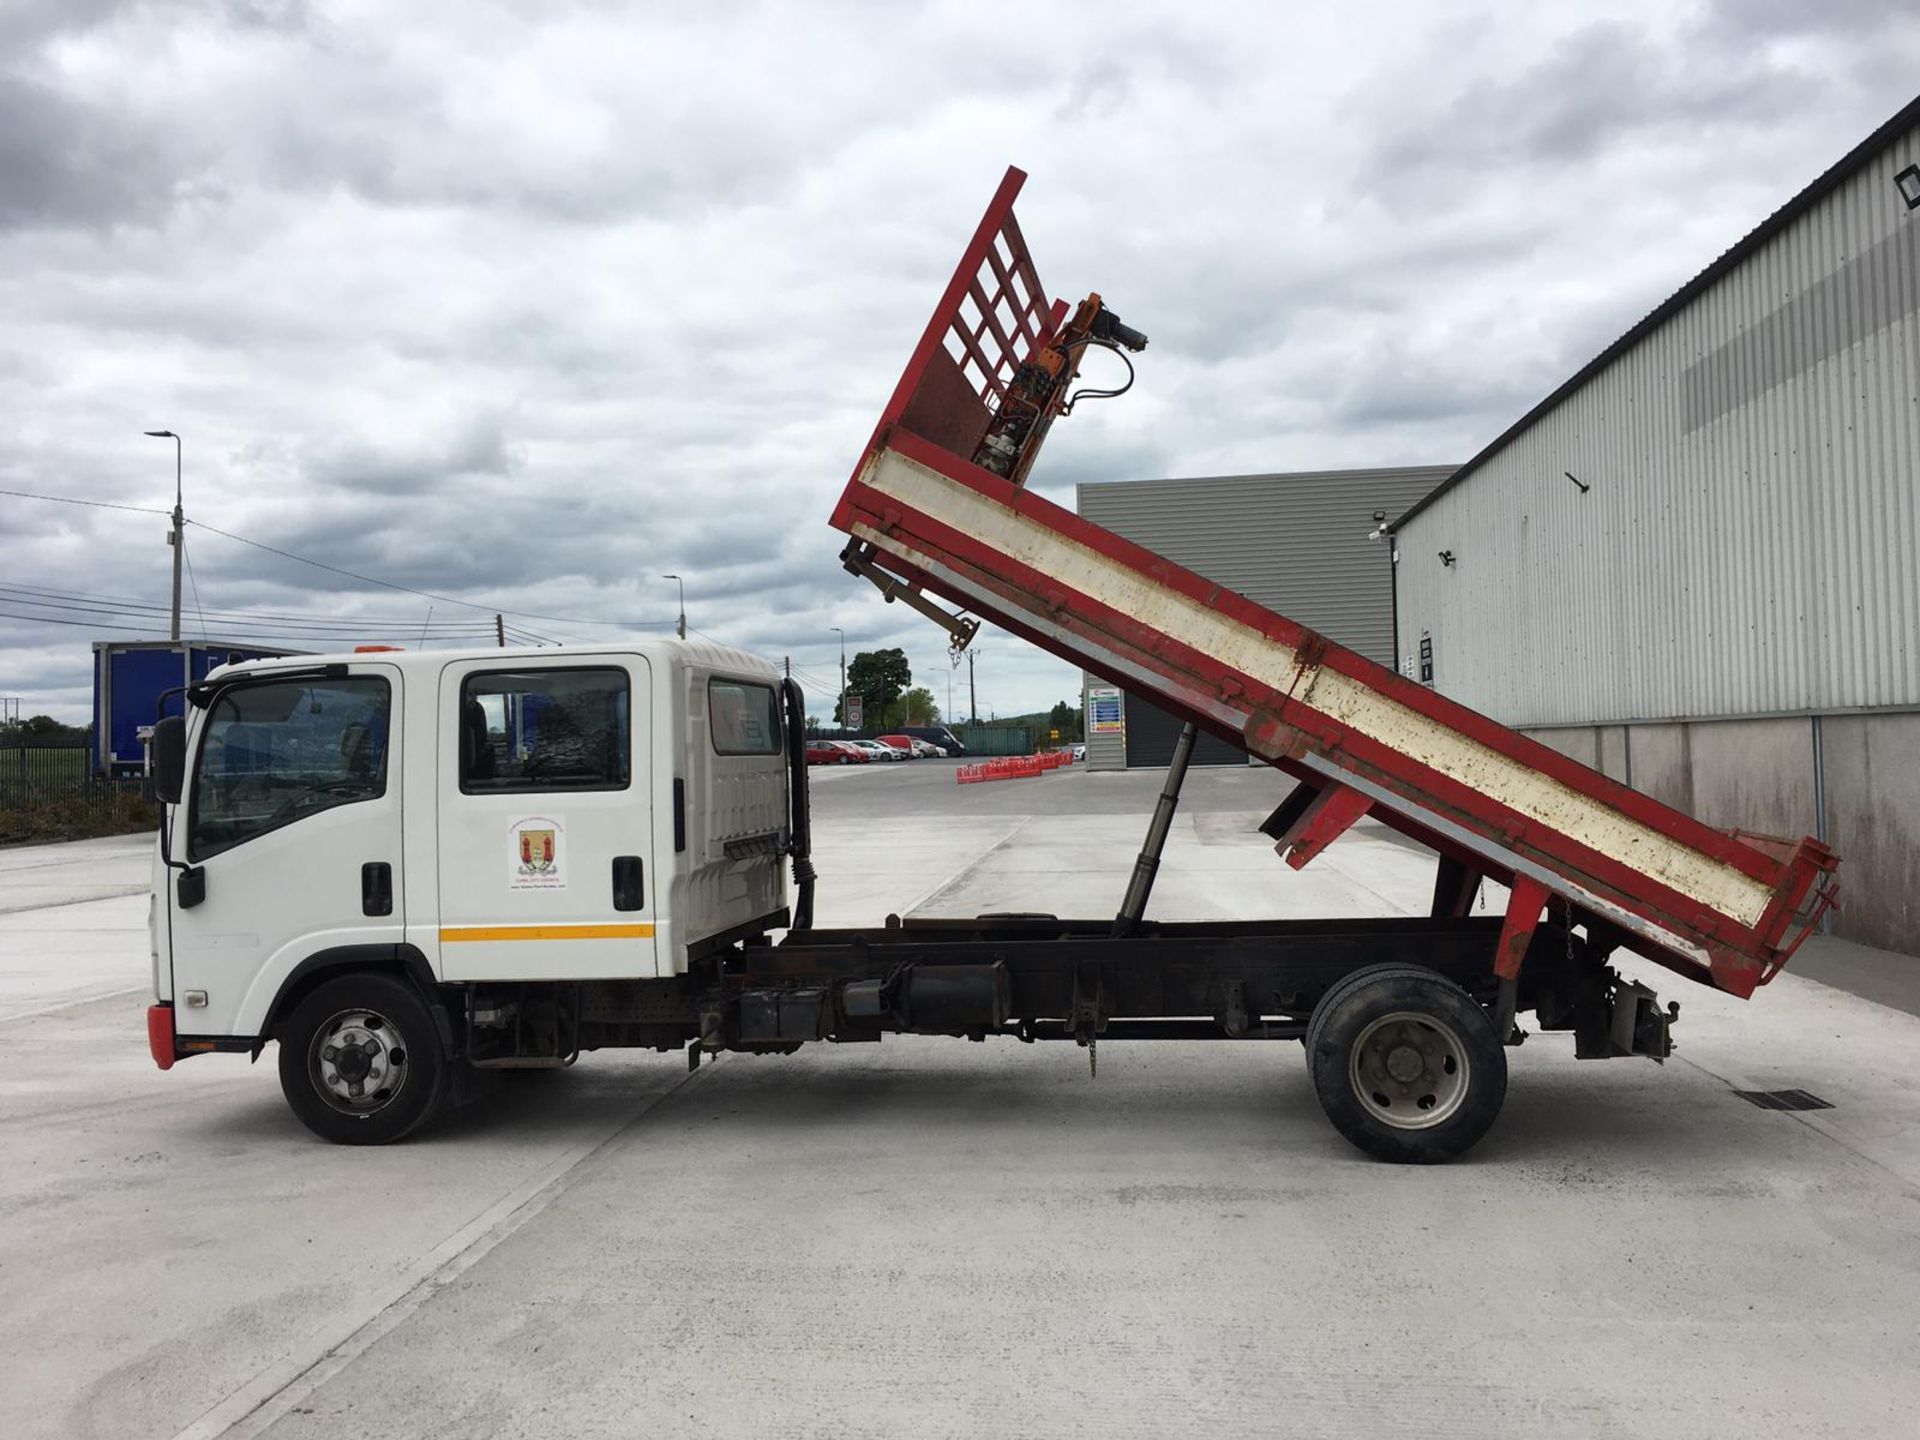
(926, 749)
(940, 735)
(876, 751)
(902, 743)
(1079, 753)
(835, 752)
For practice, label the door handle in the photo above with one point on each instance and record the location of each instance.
(629, 883)
(376, 888)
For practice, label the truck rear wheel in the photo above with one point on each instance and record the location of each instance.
(360, 1062)
(1406, 1065)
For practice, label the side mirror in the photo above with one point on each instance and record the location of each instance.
(167, 759)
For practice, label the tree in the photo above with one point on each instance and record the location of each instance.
(44, 730)
(878, 677)
(1066, 719)
(916, 707)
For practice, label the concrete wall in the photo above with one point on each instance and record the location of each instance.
(1872, 774)
(1769, 775)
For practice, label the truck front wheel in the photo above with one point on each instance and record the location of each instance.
(360, 1061)
(1406, 1065)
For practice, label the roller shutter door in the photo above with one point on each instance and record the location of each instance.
(1151, 733)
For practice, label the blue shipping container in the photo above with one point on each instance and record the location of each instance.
(130, 676)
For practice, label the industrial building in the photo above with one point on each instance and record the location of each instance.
(1693, 565)
(1296, 543)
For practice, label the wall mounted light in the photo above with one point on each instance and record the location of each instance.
(1908, 184)
(1446, 558)
(1584, 487)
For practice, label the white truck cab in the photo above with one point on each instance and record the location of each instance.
(369, 852)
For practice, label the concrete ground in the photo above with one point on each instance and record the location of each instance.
(931, 1238)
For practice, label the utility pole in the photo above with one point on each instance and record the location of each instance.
(500, 629)
(683, 602)
(843, 673)
(973, 694)
(175, 539)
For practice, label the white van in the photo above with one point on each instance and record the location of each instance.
(356, 833)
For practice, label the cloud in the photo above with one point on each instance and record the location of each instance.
(67, 161)
(525, 304)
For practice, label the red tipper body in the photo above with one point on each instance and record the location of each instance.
(1723, 907)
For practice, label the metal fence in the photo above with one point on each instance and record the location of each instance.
(45, 774)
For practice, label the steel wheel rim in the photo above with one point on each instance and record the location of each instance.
(1410, 1071)
(358, 1061)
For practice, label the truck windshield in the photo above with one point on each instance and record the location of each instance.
(278, 751)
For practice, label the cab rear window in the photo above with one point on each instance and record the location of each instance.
(744, 718)
(545, 729)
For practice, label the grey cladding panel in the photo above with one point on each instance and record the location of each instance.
(1295, 543)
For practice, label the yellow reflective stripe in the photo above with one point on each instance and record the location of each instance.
(452, 934)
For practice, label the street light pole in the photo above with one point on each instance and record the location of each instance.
(683, 602)
(179, 520)
(843, 673)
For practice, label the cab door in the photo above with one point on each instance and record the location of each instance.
(545, 815)
(292, 828)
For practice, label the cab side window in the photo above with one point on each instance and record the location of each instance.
(744, 718)
(276, 752)
(536, 730)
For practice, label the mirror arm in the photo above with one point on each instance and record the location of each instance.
(166, 841)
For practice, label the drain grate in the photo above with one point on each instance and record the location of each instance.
(1784, 1100)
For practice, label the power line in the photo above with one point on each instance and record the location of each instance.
(350, 574)
(129, 603)
(120, 620)
(195, 582)
(813, 681)
(516, 632)
(123, 602)
(489, 607)
(343, 637)
(312, 630)
(95, 504)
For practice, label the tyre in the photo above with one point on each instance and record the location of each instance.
(1406, 1064)
(360, 1060)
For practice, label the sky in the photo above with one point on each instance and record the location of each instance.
(521, 306)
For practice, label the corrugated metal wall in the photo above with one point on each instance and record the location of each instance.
(1296, 543)
(1751, 541)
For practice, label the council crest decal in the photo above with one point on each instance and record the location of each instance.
(536, 854)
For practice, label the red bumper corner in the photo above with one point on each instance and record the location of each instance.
(160, 1035)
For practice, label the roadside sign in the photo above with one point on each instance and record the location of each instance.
(1103, 710)
(855, 719)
